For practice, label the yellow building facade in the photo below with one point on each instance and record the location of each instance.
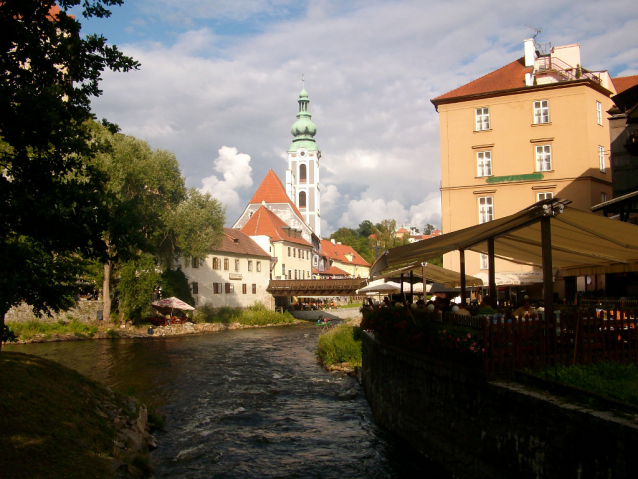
(532, 130)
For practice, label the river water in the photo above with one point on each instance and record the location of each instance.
(245, 403)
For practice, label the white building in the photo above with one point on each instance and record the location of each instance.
(236, 274)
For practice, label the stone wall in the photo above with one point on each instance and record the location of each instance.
(84, 312)
(477, 428)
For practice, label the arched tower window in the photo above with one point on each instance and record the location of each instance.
(302, 199)
(302, 173)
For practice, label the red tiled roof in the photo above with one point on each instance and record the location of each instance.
(339, 251)
(265, 222)
(623, 83)
(509, 77)
(234, 241)
(272, 190)
(402, 230)
(333, 271)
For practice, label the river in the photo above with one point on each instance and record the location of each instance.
(245, 403)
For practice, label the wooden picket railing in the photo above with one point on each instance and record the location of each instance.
(576, 338)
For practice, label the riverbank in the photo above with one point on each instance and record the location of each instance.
(54, 422)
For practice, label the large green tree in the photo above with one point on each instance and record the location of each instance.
(351, 237)
(51, 207)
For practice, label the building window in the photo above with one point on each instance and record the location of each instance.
(482, 119)
(302, 173)
(302, 199)
(195, 262)
(603, 197)
(283, 270)
(195, 288)
(315, 260)
(485, 261)
(289, 274)
(296, 274)
(289, 251)
(259, 266)
(544, 158)
(544, 196)
(244, 288)
(250, 265)
(216, 263)
(599, 113)
(230, 288)
(294, 252)
(254, 288)
(541, 112)
(217, 288)
(601, 158)
(226, 264)
(236, 265)
(484, 163)
(486, 209)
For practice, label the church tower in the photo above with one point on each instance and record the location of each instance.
(302, 175)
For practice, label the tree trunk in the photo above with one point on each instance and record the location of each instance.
(2, 314)
(106, 292)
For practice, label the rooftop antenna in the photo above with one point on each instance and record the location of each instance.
(537, 30)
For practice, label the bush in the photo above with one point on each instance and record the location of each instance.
(34, 328)
(255, 314)
(340, 346)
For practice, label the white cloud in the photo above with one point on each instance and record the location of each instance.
(236, 173)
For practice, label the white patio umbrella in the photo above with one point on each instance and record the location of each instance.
(389, 287)
(173, 303)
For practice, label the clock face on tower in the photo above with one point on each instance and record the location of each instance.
(303, 153)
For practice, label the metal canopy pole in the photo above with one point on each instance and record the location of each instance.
(463, 285)
(548, 284)
(412, 286)
(492, 271)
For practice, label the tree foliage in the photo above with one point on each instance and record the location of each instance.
(351, 237)
(175, 283)
(138, 279)
(51, 207)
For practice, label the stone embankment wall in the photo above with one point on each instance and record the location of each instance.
(477, 428)
(84, 312)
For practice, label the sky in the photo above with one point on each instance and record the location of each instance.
(220, 79)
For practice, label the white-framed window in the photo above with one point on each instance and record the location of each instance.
(601, 158)
(482, 119)
(486, 209)
(599, 113)
(485, 261)
(541, 112)
(603, 197)
(547, 195)
(544, 158)
(250, 265)
(483, 163)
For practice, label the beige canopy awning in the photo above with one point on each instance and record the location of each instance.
(581, 243)
(433, 273)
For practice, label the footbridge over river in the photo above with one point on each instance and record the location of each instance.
(315, 287)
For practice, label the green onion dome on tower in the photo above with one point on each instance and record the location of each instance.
(303, 129)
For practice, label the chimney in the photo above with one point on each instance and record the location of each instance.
(333, 241)
(530, 53)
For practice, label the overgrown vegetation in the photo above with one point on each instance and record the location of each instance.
(254, 315)
(29, 330)
(615, 380)
(340, 345)
(49, 426)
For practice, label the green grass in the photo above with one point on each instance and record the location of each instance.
(358, 305)
(340, 345)
(49, 427)
(615, 380)
(255, 315)
(31, 329)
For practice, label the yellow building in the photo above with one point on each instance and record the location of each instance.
(533, 129)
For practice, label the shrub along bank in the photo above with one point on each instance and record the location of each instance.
(340, 345)
(55, 423)
(254, 315)
(26, 331)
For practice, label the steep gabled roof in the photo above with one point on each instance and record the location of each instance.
(265, 222)
(272, 190)
(234, 241)
(509, 77)
(624, 83)
(338, 252)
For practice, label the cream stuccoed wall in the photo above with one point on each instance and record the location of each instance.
(574, 136)
(205, 276)
(293, 262)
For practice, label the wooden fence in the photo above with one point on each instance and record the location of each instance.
(576, 338)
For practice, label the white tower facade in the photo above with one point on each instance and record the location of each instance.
(302, 175)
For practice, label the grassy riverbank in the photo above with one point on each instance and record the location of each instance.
(614, 380)
(255, 315)
(29, 330)
(340, 345)
(51, 424)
